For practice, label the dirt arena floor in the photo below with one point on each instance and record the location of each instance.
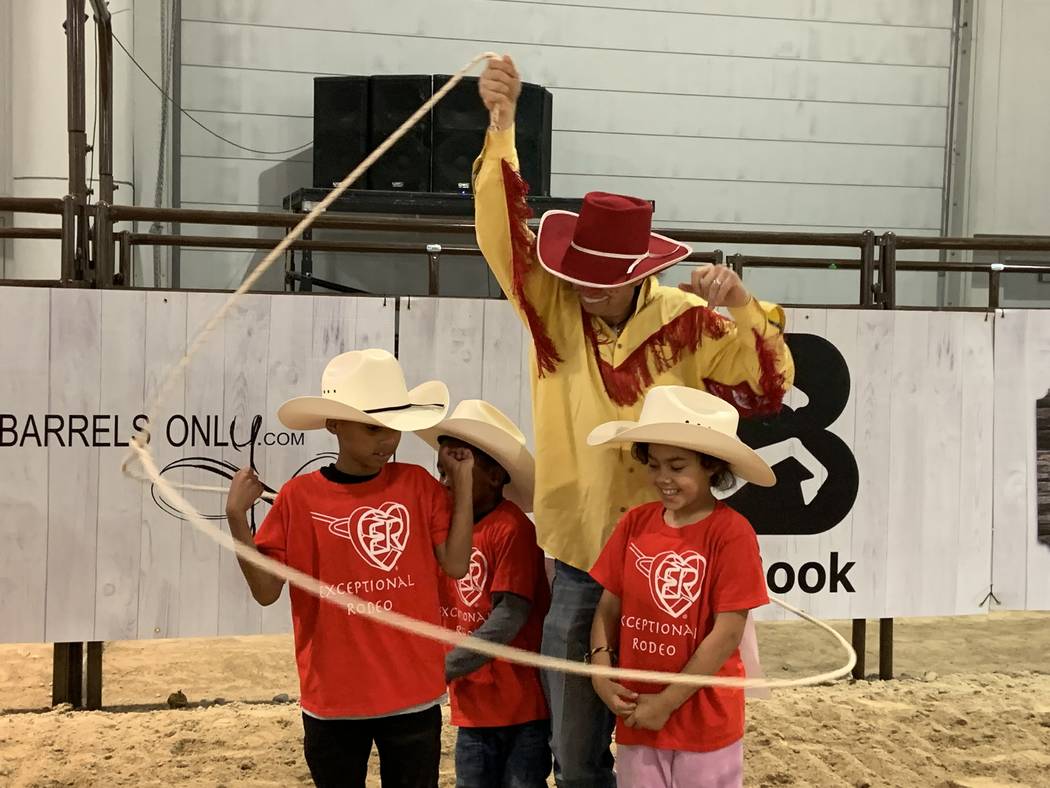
(971, 707)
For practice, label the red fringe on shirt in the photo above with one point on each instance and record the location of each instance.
(522, 254)
(627, 383)
(744, 398)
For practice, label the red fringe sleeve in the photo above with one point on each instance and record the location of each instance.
(523, 252)
(771, 381)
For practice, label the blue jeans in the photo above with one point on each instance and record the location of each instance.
(581, 725)
(511, 756)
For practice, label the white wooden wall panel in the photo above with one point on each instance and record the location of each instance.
(287, 376)
(806, 115)
(200, 556)
(120, 505)
(919, 419)
(1022, 376)
(872, 449)
(841, 329)
(976, 464)
(502, 345)
(161, 540)
(73, 472)
(246, 336)
(440, 339)
(25, 347)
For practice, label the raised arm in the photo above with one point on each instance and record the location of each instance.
(245, 489)
(500, 214)
(744, 361)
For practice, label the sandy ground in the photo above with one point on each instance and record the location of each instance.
(971, 708)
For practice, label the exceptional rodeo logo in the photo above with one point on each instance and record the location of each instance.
(822, 375)
(675, 579)
(472, 585)
(378, 534)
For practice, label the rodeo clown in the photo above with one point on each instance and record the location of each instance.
(604, 332)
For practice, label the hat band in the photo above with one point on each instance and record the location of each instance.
(403, 407)
(584, 249)
(630, 269)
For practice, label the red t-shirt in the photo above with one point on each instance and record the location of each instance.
(375, 540)
(504, 558)
(671, 583)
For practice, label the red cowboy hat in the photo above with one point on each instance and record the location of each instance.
(610, 242)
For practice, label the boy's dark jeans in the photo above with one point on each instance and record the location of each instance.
(409, 748)
(511, 756)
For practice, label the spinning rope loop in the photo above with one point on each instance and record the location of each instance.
(149, 472)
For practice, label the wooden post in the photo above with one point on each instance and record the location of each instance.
(94, 675)
(885, 649)
(68, 674)
(859, 645)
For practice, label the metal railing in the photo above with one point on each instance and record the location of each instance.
(107, 258)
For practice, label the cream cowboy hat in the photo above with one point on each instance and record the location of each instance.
(367, 386)
(689, 419)
(480, 424)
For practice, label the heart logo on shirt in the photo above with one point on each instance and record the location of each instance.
(378, 534)
(675, 579)
(471, 586)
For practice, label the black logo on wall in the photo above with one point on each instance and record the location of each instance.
(822, 375)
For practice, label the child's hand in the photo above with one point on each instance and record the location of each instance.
(619, 699)
(458, 465)
(651, 713)
(245, 489)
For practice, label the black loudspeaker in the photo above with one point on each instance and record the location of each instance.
(406, 166)
(460, 120)
(533, 137)
(340, 127)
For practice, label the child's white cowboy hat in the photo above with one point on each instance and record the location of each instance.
(367, 386)
(484, 426)
(689, 419)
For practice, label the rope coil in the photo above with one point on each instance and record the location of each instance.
(140, 451)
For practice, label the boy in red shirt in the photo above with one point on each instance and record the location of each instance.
(377, 530)
(504, 725)
(679, 577)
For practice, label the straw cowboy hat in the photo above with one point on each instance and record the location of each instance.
(480, 424)
(610, 243)
(367, 386)
(689, 419)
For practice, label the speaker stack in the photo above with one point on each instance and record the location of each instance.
(353, 114)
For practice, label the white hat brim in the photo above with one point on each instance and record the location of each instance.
(744, 461)
(427, 406)
(513, 456)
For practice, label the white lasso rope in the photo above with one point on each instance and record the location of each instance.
(141, 451)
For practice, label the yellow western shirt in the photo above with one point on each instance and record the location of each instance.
(581, 492)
